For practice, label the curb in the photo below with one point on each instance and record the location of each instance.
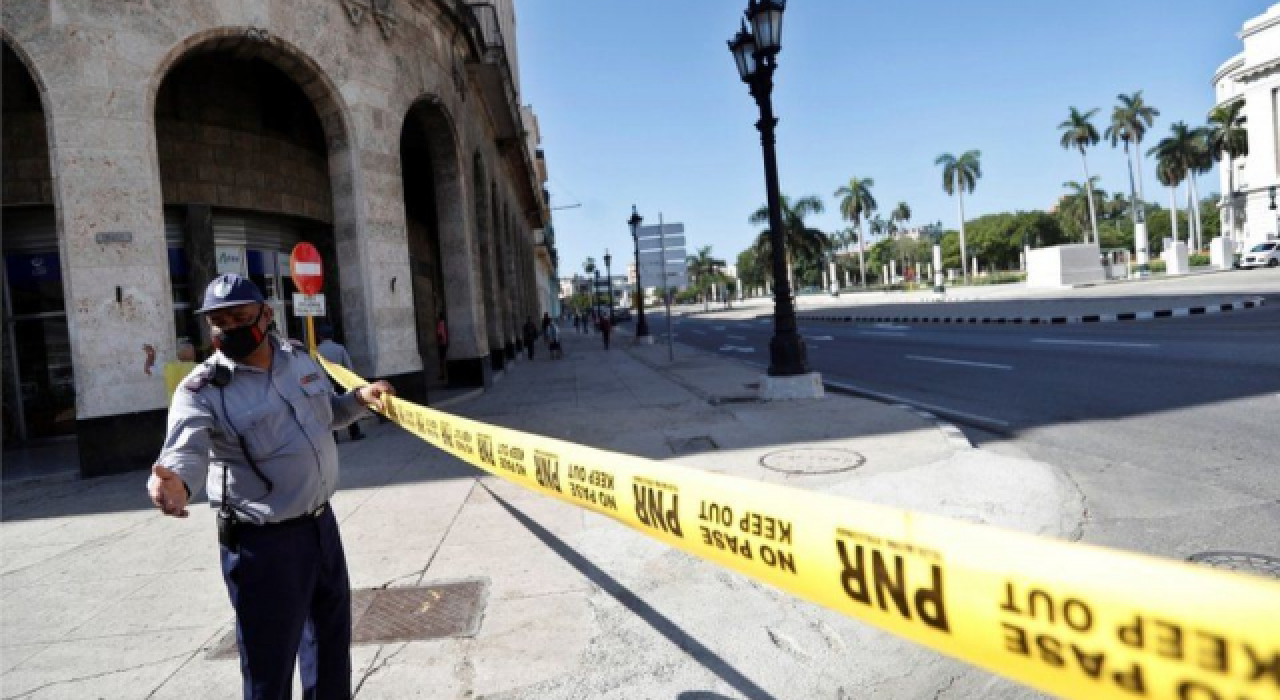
(1048, 320)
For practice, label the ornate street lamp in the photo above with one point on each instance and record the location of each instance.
(755, 53)
(642, 326)
(608, 273)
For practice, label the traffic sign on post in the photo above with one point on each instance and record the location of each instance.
(308, 276)
(306, 268)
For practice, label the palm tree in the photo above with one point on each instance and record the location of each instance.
(901, 214)
(1129, 123)
(1227, 136)
(704, 273)
(1175, 157)
(801, 240)
(1075, 206)
(1201, 162)
(958, 175)
(856, 204)
(589, 266)
(1078, 132)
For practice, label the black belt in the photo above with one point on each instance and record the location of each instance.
(304, 518)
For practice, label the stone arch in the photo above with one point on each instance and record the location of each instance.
(438, 226)
(39, 394)
(320, 207)
(289, 58)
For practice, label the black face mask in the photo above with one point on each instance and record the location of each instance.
(239, 343)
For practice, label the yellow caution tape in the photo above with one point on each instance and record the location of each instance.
(1071, 619)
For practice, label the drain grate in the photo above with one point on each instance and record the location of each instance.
(1259, 564)
(812, 460)
(384, 615)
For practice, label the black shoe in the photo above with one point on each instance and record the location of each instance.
(357, 437)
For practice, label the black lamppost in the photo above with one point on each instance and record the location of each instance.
(608, 273)
(755, 53)
(642, 326)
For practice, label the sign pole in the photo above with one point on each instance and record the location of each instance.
(308, 274)
(666, 292)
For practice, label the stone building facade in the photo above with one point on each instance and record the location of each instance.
(148, 147)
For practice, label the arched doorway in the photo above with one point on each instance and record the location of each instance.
(39, 383)
(422, 224)
(245, 157)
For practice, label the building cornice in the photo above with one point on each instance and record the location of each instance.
(1258, 70)
(1226, 69)
(1264, 23)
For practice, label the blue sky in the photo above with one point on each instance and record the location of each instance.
(640, 103)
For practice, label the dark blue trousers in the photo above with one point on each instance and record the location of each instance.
(288, 584)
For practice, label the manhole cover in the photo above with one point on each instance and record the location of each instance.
(812, 460)
(1260, 564)
(692, 445)
(384, 615)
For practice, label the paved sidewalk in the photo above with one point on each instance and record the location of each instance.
(103, 597)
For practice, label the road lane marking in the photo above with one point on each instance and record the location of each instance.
(892, 327)
(1098, 343)
(736, 337)
(700, 332)
(818, 337)
(884, 334)
(735, 348)
(717, 328)
(966, 363)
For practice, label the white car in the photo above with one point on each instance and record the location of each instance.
(1262, 255)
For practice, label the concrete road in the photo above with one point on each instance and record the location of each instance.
(1169, 427)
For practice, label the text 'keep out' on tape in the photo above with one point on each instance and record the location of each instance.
(1071, 619)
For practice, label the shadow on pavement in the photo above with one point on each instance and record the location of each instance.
(660, 623)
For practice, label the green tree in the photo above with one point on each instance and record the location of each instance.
(802, 241)
(1177, 155)
(589, 266)
(1227, 137)
(856, 204)
(1077, 207)
(704, 274)
(958, 176)
(751, 272)
(1078, 132)
(1129, 123)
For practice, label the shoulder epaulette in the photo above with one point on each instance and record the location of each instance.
(209, 373)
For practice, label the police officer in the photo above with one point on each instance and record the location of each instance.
(255, 422)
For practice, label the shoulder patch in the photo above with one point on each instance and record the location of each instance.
(313, 377)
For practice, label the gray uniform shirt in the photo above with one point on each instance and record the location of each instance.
(286, 415)
(334, 352)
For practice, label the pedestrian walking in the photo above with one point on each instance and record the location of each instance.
(546, 322)
(253, 424)
(336, 353)
(606, 328)
(442, 343)
(553, 342)
(530, 335)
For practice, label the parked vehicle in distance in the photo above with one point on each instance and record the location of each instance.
(1266, 254)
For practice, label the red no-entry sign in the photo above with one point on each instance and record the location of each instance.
(307, 270)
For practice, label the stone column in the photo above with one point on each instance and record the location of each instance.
(114, 262)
